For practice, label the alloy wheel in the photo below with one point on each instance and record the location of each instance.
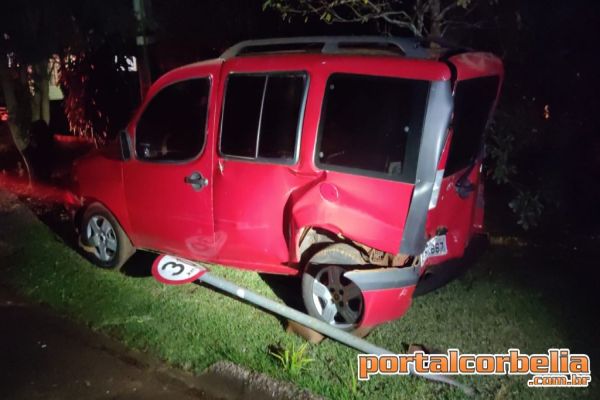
(101, 236)
(338, 301)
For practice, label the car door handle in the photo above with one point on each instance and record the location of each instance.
(196, 180)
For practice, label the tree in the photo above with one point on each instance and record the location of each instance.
(29, 32)
(422, 18)
(32, 32)
(100, 92)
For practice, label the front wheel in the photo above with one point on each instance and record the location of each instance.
(328, 295)
(103, 239)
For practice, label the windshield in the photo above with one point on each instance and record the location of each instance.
(372, 125)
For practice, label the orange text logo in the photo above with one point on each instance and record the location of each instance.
(558, 367)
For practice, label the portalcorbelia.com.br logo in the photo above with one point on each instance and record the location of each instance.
(556, 368)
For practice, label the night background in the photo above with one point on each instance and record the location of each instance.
(535, 287)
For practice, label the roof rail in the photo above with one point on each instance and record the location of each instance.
(326, 44)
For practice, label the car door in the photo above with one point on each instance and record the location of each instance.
(168, 183)
(258, 147)
(459, 209)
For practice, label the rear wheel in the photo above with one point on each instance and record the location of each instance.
(103, 239)
(327, 294)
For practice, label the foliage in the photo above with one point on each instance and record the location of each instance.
(17, 97)
(509, 135)
(500, 147)
(353, 378)
(421, 17)
(33, 31)
(100, 93)
(528, 208)
(30, 32)
(292, 359)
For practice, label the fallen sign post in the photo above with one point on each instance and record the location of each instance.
(176, 271)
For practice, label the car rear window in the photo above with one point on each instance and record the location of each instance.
(262, 115)
(372, 125)
(473, 102)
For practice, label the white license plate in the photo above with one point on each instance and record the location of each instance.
(435, 247)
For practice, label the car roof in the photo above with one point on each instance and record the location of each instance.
(327, 45)
(342, 45)
(311, 49)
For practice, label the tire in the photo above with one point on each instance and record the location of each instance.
(327, 294)
(103, 239)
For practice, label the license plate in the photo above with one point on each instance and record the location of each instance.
(435, 247)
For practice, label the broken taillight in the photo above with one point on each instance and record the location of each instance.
(437, 184)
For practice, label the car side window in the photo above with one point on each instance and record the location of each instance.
(262, 116)
(372, 125)
(173, 125)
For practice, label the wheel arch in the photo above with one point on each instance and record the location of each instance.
(312, 239)
(86, 202)
(334, 259)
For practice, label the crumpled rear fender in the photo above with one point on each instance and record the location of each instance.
(387, 292)
(352, 207)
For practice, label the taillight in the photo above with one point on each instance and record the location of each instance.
(437, 184)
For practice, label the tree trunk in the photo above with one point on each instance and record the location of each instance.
(19, 137)
(436, 23)
(45, 98)
(40, 101)
(36, 101)
(144, 73)
(8, 88)
(43, 85)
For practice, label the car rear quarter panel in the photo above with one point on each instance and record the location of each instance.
(356, 207)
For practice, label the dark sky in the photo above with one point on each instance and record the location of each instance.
(208, 27)
(549, 47)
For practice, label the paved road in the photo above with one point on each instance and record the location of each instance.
(43, 356)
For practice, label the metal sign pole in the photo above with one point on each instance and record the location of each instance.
(173, 270)
(341, 336)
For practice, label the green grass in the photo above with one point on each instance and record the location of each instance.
(488, 310)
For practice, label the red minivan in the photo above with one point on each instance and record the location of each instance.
(353, 162)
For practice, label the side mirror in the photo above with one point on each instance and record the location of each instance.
(125, 145)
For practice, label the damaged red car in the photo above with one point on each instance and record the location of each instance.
(353, 162)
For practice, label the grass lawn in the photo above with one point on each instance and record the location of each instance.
(501, 303)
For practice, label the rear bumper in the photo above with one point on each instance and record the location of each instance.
(437, 275)
(387, 292)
